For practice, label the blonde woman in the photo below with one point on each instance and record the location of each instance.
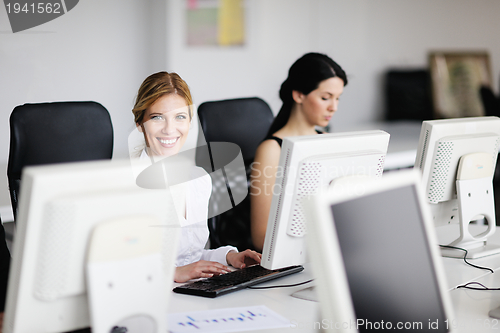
(163, 112)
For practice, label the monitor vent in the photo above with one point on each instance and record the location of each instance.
(52, 280)
(278, 208)
(440, 170)
(380, 166)
(308, 184)
(424, 148)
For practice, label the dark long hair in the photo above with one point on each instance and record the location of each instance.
(305, 75)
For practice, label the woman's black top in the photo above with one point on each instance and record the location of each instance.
(275, 138)
(279, 140)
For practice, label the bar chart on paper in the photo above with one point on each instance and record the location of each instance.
(226, 320)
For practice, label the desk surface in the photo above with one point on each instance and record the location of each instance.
(471, 307)
(300, 312)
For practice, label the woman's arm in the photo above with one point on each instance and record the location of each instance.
(199, 269)
(205, 269)
(261, 189)
(243, 259)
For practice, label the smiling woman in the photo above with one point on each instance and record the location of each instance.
(310, 96)
(166, 125)
(163, 112)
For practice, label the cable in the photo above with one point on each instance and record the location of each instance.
(465, 257)
(283, 285)
(483, 287)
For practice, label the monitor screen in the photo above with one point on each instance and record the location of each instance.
(387, 261)
(374, 258)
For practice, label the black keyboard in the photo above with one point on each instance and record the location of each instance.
(239, 279)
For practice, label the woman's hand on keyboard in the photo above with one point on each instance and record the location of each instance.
(199, 269)
(243, 259)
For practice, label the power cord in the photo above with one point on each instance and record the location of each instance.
(465, 257)
(282, 286)
(483, 287)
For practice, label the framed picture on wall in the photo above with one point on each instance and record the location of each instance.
(215, 22)
(456, 81)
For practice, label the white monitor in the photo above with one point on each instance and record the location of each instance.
(375, 259)
(457, 158)
(60, 206)
(308, 165)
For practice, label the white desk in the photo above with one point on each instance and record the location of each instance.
(301, 313)
(471, 307)
(457, 271)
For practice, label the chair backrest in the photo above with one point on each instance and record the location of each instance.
(57, 132)
(408, 95)
(491, 103)
(245, 122)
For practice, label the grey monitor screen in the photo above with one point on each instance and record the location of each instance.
(388, 263)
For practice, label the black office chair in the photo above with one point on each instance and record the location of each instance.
(491, 103)
(408, 94)
(57, 132)
(245, 122)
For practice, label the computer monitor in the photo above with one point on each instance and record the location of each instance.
(457, 159)
(60, 206)
(375, 259)
(308, 165)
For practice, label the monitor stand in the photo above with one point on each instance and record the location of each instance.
(494, 313)
(308, 294)
(125, 277)
(475, 201)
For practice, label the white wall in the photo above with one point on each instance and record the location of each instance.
(103, 49)
(100, 50)
(365, 37)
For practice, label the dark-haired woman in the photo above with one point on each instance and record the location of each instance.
(310, 96)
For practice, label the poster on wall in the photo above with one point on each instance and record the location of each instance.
(215, 23)
(456, 81)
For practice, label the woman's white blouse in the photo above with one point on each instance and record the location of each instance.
(194, 228)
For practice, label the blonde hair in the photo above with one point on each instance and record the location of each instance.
(156, 86)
